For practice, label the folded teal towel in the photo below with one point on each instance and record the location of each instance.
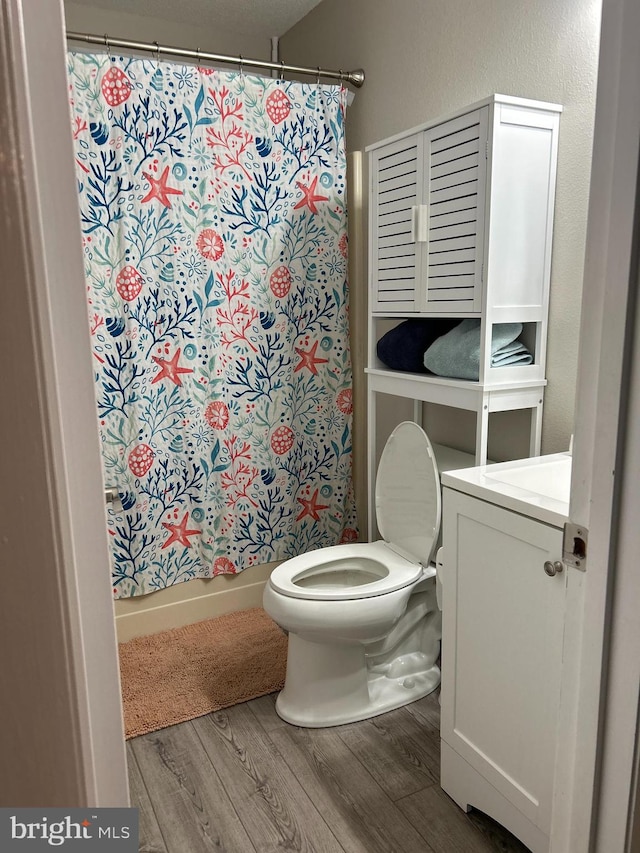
(457, 354)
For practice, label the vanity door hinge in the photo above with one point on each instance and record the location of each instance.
(574, 545)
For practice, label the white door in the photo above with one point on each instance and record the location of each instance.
(396, 194)
(503, 642)
(455, 169)
(601, 679)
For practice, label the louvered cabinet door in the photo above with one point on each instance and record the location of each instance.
(396, 181)
(455, 166)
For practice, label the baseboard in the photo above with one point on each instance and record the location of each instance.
(190, 602)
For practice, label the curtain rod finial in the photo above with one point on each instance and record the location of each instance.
(356, 78)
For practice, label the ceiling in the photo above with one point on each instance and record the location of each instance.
(259, 18)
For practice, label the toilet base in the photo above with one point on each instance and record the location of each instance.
(331, 684)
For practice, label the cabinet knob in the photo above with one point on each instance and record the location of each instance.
(553, 569)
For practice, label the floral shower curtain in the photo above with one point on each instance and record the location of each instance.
(214, 233)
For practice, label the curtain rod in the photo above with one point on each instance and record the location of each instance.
(356, 78)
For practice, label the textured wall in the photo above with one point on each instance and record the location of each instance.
(424, 58)
(89, 19)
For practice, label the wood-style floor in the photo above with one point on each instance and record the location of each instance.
(242, 780)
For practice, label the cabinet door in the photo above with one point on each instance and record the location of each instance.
(396, 192)
(503, 623)
(455, 165)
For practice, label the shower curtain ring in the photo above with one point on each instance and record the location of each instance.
(282, 69)
(318, 76)
(240, 64)
(198, 56)
(157, 52)
(341, 77)
(108, 46)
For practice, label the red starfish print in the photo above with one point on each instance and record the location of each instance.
(308, 195)
(308, 359)
(310, 507)
(159, 188)
(179, 532)
(170, 369)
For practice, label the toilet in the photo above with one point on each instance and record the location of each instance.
(363, 620)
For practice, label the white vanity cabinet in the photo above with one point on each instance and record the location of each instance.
(503, 603)
(460, 226)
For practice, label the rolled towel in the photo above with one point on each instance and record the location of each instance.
(457, 354)
(403, 347)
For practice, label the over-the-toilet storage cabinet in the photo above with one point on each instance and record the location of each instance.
(460, 225)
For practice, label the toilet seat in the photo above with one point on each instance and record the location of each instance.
(381, 570)
(408, 508)
(408, 501)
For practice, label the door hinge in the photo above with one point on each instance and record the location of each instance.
(574, 545)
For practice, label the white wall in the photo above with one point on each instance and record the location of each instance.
(424, 58)
(88, 19)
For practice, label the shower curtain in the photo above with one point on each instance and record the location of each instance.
(214, 233)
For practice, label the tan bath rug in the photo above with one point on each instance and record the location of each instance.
(184, 673)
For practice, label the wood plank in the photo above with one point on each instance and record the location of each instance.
(264, 710)
(394, 750)
(402, 191)
(390, 252)
(454, 177)
(463, 228)
(413, 743)
(427, 712)
(393, 242)
(455, 151)
(447, 268)
(386, 217)
(363, 818)
(401, 150)
(394, 173)
(150, 835)
(276, 811)
(468, 162)
(444, 139)
(442, 245)
(389, 206)
(401, 263)
(457, 191)
(193, 809)
(450, 212)
(395, 229)
(447, 829)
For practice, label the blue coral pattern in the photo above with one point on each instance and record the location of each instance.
(212, 208)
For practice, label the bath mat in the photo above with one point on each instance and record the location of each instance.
(188, 672)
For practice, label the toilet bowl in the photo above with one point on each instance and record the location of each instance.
(363, 620)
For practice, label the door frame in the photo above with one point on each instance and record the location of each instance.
(62, 733)
(598, 715)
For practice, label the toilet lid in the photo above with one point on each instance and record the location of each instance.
(408, 503)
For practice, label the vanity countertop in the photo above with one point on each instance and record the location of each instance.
(538, 487)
